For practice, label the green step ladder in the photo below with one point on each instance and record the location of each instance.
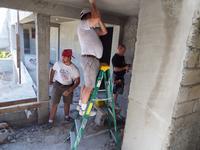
(77, 131)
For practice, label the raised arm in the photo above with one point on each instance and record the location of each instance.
(51, 75)
(96, 19)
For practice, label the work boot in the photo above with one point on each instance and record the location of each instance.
(92, 113)
(49, 125)
(68, 119)
(78, 107)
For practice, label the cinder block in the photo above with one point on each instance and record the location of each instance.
(183, 109)
(196, 107)
(194, 92)
(194, 37)
(191, 77)
(192, 58)
(183, 94)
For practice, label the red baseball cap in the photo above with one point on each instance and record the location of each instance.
(67, 53)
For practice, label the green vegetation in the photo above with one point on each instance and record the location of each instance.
(4, 54)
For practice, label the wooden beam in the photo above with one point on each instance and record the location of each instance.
(9, 103)
(22, 107)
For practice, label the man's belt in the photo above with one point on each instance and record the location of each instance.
(89, 56)
(61, 85)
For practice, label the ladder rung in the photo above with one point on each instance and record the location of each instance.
(110, 105)
(77, 124)
(110, 112)
(104, 90)
(113, 136)
(102, 99)
(72, 138)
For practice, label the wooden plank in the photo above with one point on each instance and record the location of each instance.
(21, 107)
(9, 103)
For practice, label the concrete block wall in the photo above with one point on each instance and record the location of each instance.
(186, 117)
(129, 37)
(19, 119)
(129, 40)
(163, 29)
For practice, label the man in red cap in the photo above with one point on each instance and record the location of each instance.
(65, 78)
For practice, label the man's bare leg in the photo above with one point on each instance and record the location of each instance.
(86, 94)
(53, 112)
(81, 94)
(85, 97)
(66, 109)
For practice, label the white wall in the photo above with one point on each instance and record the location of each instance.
(163, 28)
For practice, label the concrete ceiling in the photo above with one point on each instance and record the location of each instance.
(53, 19)
(123, 7)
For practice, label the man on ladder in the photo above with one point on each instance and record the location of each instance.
(78, 128)
(91, 51)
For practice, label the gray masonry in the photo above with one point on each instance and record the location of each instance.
(159, 75)
(129, 37)
(43, 55)
(186, 118)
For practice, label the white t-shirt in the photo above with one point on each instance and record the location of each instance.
(89, 40)
(65, 74)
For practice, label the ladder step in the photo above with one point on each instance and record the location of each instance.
(102, 99)
(113, 136)
(103, 90)
(72, 138)
(111, 113)
(77, 124)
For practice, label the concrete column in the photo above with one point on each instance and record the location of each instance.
(163, 29)
(42, 23)
(21, 37)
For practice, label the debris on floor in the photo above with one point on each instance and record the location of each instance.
(6, 134)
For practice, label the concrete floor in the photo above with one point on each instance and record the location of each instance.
(39, 137)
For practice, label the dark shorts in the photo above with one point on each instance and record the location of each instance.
(57, 93)
(118, 88)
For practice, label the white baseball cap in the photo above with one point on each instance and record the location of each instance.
(84, 12)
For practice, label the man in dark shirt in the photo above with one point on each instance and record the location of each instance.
(119, 69)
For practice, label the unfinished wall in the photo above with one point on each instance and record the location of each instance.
(163, 28)
(186, 117)
(129, 37)
(19, 119)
